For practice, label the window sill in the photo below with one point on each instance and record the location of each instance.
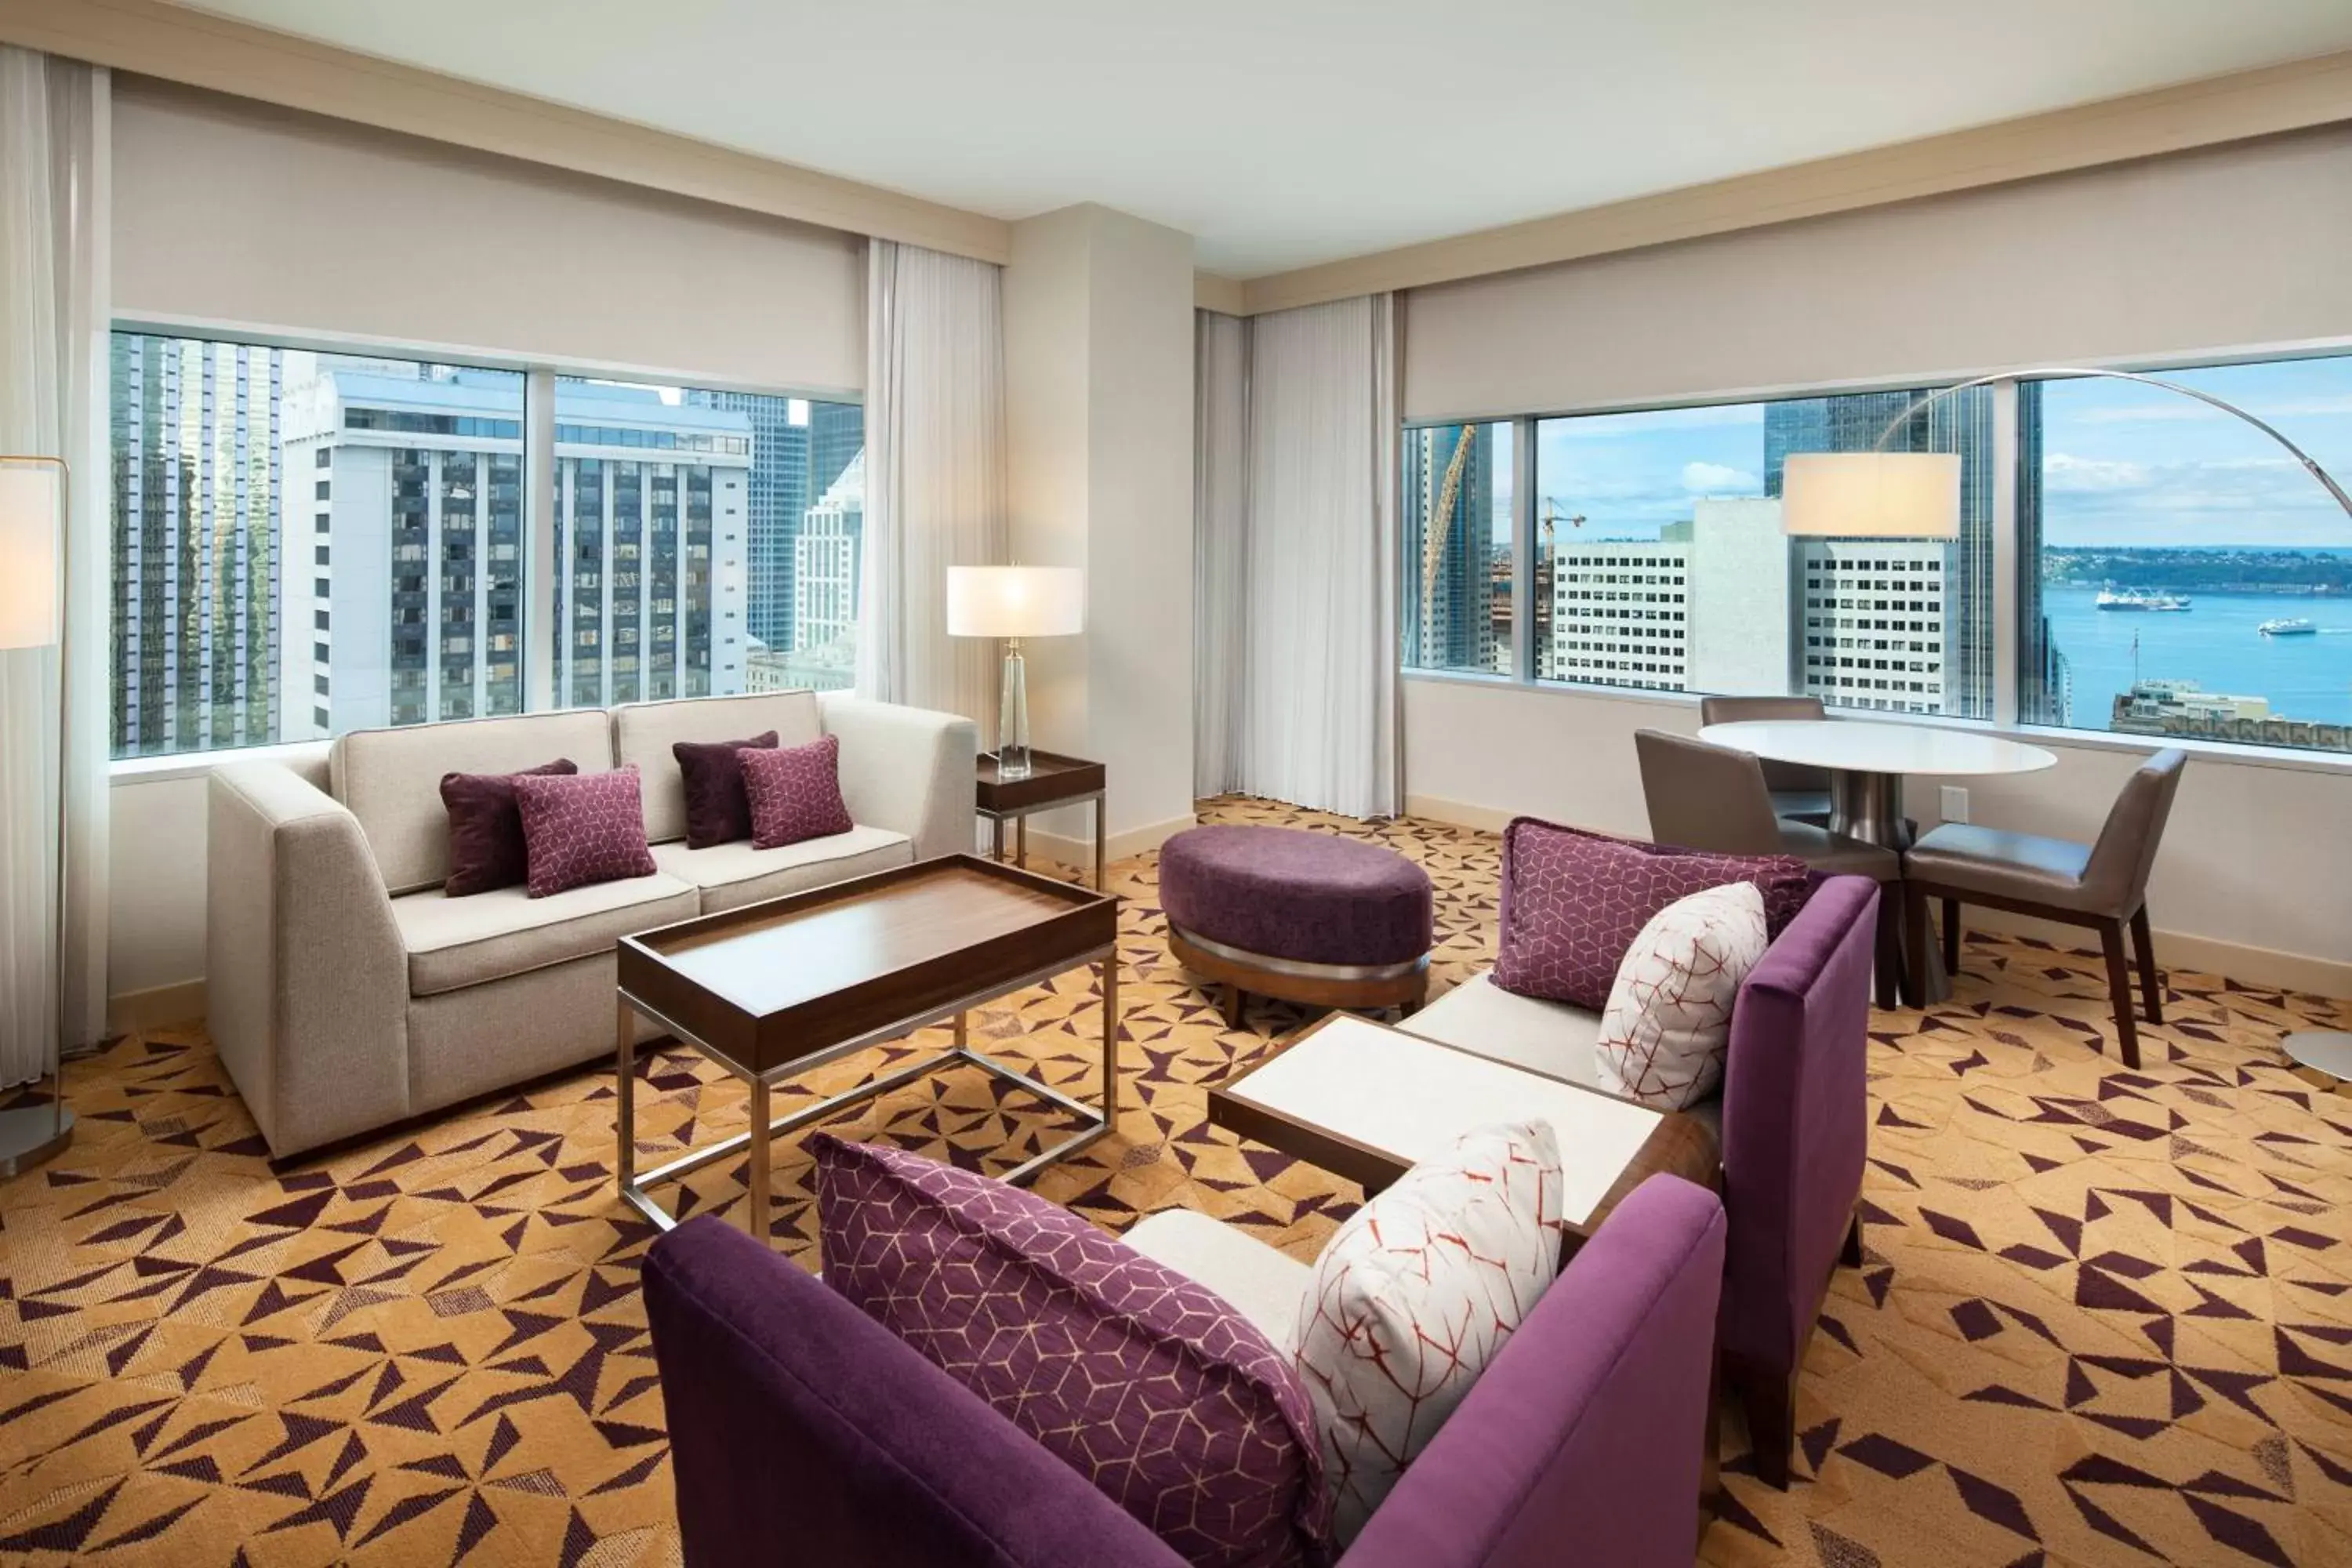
(2221, 751)
(124, 770)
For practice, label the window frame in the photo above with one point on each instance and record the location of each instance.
(540, 374)
(2005, 720)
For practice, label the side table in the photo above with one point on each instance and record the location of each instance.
(1054, 781)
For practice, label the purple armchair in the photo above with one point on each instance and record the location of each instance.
(803, 1432)
(1795, 1124)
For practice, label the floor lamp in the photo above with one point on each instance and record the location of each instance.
(32, 615)
(1882, 494)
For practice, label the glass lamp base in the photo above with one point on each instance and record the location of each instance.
(1012, 717)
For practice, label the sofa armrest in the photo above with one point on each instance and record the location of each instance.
(306, 978)
(767, 1372)
(1584, 1440)
(1795, 1120)
(909, 770)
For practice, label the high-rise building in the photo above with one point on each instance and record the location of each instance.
(836, 435)
(411, 603)
(1962, 423)
(1453, 628)
(1740, 598)
(1875, 619)
(1621, 614)
(779, 491)
(198, 496)
(826, 582)
(2045, 682)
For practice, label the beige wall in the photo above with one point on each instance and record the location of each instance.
(2229, 247)
(232, 211)
(1098, 387)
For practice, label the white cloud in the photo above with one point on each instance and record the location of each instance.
(1715, 478)
(2061, 471)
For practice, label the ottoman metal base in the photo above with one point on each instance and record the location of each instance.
(1240, 972)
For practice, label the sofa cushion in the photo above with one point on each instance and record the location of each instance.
(1572, 902)
(582, 830)
(794, 792)
(391, 779)
(456, 942)
(1414, 1294)
(1668, 1022)
(485, 844)
(711, 773)
(1154, 1388)
(1549, 1038)
(733, 875)
(1264, 1286)
(644, 732)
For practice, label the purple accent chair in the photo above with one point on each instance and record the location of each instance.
(803, 1432)
(1795, 1128)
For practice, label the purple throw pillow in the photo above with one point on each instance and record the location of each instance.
(1150, 1385)
(584, 830)
(795, 793)
(485, 845)
(716, 811)
(1573, 902)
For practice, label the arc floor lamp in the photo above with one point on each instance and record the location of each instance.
(1881, 494)
(33, 536)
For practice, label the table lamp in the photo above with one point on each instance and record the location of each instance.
(32, 544)
(1012, 603)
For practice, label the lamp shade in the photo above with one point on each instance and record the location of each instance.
(32, 511)
(1872, 495)
(1016, 600)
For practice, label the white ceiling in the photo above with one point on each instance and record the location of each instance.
(1284, 132)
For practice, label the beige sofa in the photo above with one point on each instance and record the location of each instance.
(346, 993)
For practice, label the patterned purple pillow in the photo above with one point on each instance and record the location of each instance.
(795, 793)
(1152, 1386)
(716, 811)
(1573, 902)
(485, 846)
(588, 829)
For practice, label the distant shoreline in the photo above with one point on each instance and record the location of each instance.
(2305, 571)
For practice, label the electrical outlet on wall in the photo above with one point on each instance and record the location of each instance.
(1954, 807)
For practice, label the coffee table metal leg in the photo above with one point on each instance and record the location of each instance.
(624, 1050)
(760, 1135)
(1111, 1038)
(1100, 830)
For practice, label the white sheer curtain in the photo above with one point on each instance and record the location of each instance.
(1219, 549)
(1319, 691)
(935, 473)
(53, 291)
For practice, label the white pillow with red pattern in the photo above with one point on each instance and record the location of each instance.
(1667, 1027)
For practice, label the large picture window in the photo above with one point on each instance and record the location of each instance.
(2178, 573)
(310, 544)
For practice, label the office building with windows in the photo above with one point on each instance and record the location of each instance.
(1449, 503)
(777, 493)
(826, 582)
(410, 597)
(1877, 624)
(196, 501)
(1620, 613)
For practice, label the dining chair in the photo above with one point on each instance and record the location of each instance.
(2102, 886)
(1798, 791)
(1703, 797)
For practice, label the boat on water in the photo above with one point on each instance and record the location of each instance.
(2290, 626)
(2140, 599)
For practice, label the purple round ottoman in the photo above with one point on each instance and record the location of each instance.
(1307, 917)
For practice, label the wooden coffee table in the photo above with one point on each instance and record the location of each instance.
(1366, 1101)
(773, 990)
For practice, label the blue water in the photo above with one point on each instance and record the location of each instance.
(2215, 645)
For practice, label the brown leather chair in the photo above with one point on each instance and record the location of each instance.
(2101, 885)
(1712, 797)
(1798, 791)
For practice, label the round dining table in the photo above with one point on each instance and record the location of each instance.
(1866, 761)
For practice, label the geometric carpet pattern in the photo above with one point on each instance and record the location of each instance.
(2103, 1316)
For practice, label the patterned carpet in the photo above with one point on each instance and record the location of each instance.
(2104, 1317)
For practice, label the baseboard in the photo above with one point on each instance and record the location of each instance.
(2248, 965)
(156, 1008)
(1080, 852)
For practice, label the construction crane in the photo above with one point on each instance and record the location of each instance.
(1552, 523)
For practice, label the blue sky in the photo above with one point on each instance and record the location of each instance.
(2122, 464)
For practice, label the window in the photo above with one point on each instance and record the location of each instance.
(2180, 575)
(705, 542)
(1457, 547)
